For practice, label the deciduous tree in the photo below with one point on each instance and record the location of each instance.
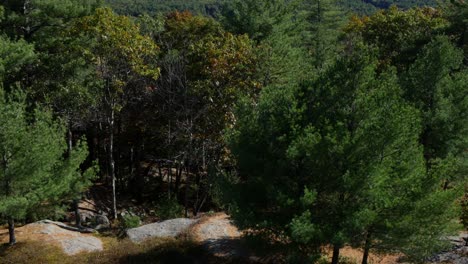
(121, 56)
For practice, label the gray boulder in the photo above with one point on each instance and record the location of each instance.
(168, 228)
(70, 239)
(457, 255)
(86, 216)
(75, 245)
(100, 222)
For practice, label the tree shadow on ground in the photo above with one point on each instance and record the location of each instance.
(194, 255)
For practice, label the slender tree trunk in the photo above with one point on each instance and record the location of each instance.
(161, 176)
(112, 162)
(186, 191)
(104, 163)
(69, 140)
(118, 155)
(197, 196)
(27, 28)
(132, 162)
(336, 254)
(367, 247)
(201, 205)
(140, 178)
(169, 175)
(177, 180)
(11, 231)
(75, 201)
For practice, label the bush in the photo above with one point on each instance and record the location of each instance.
(130, 221)
(169, 208)
(221, 191)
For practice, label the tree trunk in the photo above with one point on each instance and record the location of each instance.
(132, 162)
(161, 176)
(112, 162)
(177, 180)
(186, 191)
(69, 140)
(137, 173)
(169, 175)
(105, 162)
(77, 213)
(11, 231)
(367, 247)
(75, 201)
(336, 254)
(197, 196)
(120, 182)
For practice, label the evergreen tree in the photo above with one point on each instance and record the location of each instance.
(13, 56)
(457, 13)
(278, 31)
(436, 84)
(325, 19)
(323, 164)
(33, 169)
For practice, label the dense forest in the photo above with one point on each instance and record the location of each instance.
(212, 7)
(314, 124)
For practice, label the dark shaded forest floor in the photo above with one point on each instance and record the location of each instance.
(116, 251)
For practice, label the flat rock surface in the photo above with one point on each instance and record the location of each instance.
(219, 236)
(168, 228)
(47, 232)
(457, 255)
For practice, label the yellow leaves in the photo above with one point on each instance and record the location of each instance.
(118, 44)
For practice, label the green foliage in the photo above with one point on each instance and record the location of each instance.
(398, 34)
(336, 140)
(220, 182)
(277, 30)
(13, 55)
(436, 84)
(352, 138)
(325, 21)
(107, 35)
(33, 170)
(130, 221)
(139, 7)
(456, 12)
(52, 212)
(258, 19)
(37, 20)
(405, 4)
(169, 209)
(213, 7)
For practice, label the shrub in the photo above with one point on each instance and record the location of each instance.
(130, 221)
(169, 208)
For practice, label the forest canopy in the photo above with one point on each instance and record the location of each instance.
(314, 124)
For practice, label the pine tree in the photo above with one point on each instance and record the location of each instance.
(33, 169)
(278, 31)
(325, 19)
(436, 84)
(323, 163)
